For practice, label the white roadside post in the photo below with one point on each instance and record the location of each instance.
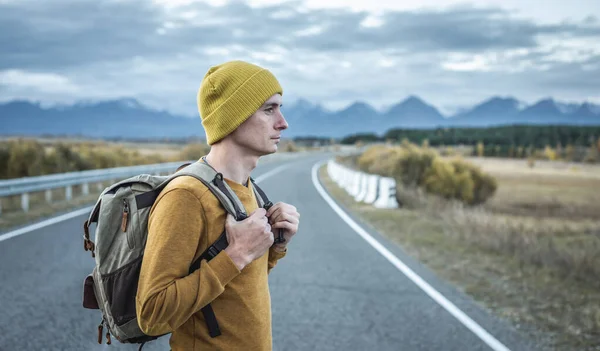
(356, 183)
(340, 176)
(347, 179)
(350, 181)
(339, 173)
(372, 185)
(333, 171)
(363, 187)
(25, 202)
(343, 178)
(387, 193)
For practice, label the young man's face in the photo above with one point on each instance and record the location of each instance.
(260, 134)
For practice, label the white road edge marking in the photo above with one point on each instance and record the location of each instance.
(45, 223)
(271, 173)
(87, 210)
(428, 289)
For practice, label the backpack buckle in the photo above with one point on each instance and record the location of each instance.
(89, 245)
(212, 251)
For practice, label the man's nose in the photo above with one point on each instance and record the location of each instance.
(282, 123)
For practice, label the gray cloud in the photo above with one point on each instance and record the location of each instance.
(138, 48)
(64, 33)
(58, 34)
(572, 77)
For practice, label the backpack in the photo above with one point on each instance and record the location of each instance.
(121, 216)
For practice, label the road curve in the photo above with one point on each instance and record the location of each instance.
(333, 291)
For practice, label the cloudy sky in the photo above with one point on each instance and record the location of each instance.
(332, 52)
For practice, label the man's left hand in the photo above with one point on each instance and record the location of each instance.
(283, 216)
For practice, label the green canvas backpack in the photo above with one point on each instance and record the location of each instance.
(121, 216)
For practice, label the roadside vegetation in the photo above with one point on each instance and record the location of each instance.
(523, 242)
(30, 157)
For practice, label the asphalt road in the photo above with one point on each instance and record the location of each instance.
(333, 291)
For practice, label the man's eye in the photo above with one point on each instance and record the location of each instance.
(270, 109)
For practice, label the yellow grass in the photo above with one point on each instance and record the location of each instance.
(550, 190)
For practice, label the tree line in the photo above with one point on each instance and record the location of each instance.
(536, 136)
(519, 141)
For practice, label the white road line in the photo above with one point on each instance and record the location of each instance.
(428, 289)
(271, 173)
(87, 210)
(45, 223)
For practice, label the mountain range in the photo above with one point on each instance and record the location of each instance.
(127, 118)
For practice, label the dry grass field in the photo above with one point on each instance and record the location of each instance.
(530, 254)
(550, 190)
(166, 150)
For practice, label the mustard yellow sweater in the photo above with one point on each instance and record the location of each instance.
(183, 222)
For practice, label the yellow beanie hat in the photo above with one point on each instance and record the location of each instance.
(230, 93)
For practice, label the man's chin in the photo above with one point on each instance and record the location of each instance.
(267, 152)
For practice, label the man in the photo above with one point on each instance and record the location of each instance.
(239, 104)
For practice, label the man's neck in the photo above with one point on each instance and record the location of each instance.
(232, 163)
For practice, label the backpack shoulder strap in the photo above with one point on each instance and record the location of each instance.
(213, 180)
(221, 243)
(264, 202)
(215, 183)
(261, 197)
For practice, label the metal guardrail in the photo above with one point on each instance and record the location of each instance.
(10, 183)
(33, 184)
(26, 185)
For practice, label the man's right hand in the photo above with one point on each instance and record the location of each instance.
(248, 239)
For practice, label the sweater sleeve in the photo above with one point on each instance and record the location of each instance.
(274, 256)
(167, 294)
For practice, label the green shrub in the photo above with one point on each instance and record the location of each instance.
(64, 158)
(386, 166)
(422, 168)
(439, 179)
(444, 180)
(413, 163)
(372, 155)
(25, 159)
(29, 157)
(464, 187)
(290, 146)
(4, 157)
(484, 185)
(194, 151)
(101, 159)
